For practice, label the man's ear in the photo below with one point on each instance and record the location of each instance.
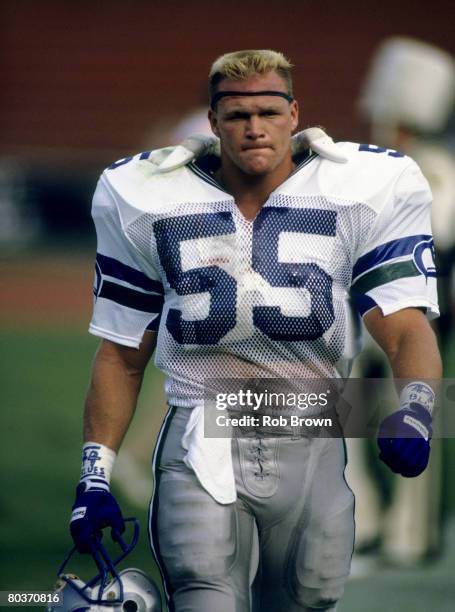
(213, 122)
(294, 114)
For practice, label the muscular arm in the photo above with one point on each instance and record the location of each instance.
(409, 343)
(116, 381)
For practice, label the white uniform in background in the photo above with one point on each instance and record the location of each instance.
(410, 91)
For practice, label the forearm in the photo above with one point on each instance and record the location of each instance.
(417, 357)
(409, 343)
(111, 399)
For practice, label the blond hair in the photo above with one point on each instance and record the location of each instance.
(240, 65)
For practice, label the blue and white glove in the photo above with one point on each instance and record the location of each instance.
(404, 436)
(95, 507)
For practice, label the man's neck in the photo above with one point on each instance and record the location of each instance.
(252, 191)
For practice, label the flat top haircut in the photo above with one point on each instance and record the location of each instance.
(240, 65)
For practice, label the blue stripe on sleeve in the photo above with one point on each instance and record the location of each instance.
(387, 251)
(112, 267)
(362, 302)
(145, 302)
(154, 325)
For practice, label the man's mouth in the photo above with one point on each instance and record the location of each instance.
(256, 147)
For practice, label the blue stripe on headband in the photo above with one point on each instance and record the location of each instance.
(223, 94)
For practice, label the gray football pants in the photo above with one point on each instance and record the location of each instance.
(293, 521)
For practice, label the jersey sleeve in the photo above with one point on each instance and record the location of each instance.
(395, 266)
(128, 293)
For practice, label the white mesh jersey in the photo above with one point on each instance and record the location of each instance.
(276, 297)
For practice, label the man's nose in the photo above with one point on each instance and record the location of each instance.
(254, 127)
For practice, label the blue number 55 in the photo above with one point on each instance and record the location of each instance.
(222, 287)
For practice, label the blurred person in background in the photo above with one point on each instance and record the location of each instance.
(408, 97)
(21, 225)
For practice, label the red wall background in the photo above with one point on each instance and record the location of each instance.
(93, 80)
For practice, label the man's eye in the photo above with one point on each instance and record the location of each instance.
(269, 113)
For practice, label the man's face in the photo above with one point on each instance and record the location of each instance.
(255, 131)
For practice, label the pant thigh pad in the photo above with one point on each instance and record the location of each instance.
(197, 535)
(323, 558)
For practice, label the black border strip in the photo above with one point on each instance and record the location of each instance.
(131, 298)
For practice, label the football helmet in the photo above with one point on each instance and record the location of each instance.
(129, 590)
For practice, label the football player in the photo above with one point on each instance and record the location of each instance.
(242, 266)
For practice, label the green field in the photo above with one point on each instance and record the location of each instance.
(43, 381)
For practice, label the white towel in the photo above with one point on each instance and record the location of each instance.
(210, 459)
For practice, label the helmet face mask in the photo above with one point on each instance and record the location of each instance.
(129, 590)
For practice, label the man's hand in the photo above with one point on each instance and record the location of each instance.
(95, 507)
(93, 510)
(404, 437)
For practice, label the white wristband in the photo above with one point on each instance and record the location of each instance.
(97, 463)
(419, 393)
